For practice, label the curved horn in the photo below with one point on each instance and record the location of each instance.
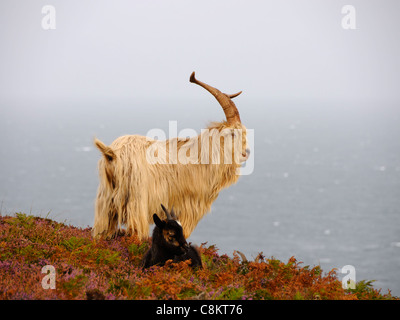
(166, 212)
(173, 214)
(230, 110)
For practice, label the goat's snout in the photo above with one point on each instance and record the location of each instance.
(185, 247)
(246, 154)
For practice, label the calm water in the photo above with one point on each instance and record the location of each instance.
(325, 188)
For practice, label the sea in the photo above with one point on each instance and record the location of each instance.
(322, 183)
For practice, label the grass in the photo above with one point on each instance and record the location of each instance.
(88, 269)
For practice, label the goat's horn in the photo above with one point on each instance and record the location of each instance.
(234, 95)
(230, 110)
(241, 255)
(173, 214)
(166, 212)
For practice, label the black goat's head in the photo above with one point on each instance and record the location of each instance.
(171, 232)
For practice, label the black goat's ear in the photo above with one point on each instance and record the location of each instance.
(159, 223)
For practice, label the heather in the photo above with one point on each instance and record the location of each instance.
(110, 269)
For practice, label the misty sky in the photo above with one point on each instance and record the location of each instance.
(269, 49)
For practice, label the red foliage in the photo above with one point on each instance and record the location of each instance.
(88, 269)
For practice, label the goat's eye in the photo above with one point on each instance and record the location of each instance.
(173, 241)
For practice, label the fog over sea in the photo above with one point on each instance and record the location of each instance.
(325, 186)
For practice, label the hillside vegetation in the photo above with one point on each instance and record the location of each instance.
(110, 269)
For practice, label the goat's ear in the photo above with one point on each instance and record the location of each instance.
(159, 223)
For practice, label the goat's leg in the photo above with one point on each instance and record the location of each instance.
(101, 218)
(138, 216)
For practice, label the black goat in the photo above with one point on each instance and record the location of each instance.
(169, 243)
